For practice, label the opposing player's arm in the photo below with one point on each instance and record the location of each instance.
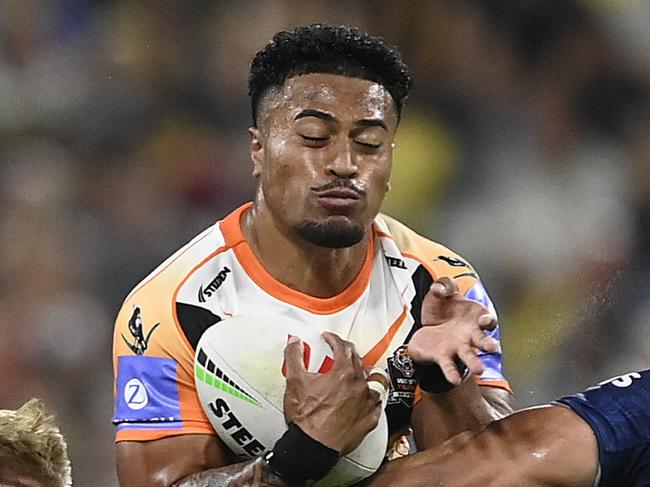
(468, 407)
(541, 447)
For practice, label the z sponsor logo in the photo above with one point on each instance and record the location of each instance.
(140, 343)
(135, 394)
(215, 284)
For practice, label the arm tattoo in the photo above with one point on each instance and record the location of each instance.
(255, 473)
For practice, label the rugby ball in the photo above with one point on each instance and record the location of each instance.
(238, 370)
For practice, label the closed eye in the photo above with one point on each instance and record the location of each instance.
(314, 139)
(368, 145)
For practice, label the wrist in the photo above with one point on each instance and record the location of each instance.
(432, 379)
(298, 458)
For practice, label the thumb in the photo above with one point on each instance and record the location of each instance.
(294, 353)
(444, 287)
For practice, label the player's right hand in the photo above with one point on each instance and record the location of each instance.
(336, 408)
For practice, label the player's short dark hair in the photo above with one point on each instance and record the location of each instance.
(320, 48)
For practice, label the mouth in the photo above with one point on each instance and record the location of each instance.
(338, 198)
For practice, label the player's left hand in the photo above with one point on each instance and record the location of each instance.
(452, 326)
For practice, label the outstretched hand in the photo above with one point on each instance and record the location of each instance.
(452, 326)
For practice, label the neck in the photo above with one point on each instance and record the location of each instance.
(317, 271)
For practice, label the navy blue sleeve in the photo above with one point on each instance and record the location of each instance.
(618, 411)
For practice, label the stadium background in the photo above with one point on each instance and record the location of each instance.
(525, 147)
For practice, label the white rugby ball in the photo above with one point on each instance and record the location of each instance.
(238, 374)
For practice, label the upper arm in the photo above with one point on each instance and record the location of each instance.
(160, 463)
(501, 401)
(162, 431)
(155, 393)
(438, 417)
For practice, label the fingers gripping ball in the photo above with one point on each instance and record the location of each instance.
(240, 378)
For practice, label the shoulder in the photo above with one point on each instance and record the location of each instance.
(173, 269)
(437, 259)
(147, 317)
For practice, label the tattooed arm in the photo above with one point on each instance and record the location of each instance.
(171, 461)
(254, 473)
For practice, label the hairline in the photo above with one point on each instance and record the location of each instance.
(278, 88)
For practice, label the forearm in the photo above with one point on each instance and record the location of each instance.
(541, 447)
(296, 459)
(438, 466)
(254, 473)
(468, 407)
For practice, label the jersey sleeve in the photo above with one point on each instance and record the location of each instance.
(618, 414)
(155, 394)
(449, 264)
(493, 374)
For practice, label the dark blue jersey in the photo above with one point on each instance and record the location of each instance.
(618, 411)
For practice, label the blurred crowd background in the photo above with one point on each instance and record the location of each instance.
(525, 146)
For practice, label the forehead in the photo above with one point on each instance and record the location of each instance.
(344, 97)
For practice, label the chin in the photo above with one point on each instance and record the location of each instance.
(334, 232)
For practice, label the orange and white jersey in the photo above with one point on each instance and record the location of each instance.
(216, 275)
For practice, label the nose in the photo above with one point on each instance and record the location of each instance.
(343, 163)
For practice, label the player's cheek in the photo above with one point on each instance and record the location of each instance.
(378, 187)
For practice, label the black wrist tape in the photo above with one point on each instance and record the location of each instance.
(297, 457)
(431, 378)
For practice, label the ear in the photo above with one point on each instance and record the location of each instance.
(257, 151)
